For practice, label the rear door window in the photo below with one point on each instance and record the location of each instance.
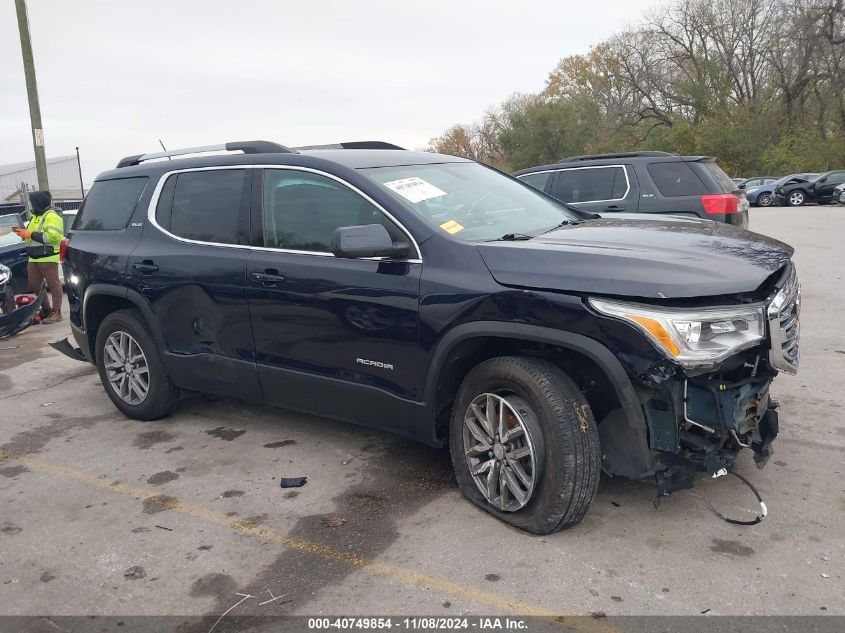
(538, 180)
(205, 206)
(590, 184)
(677, 179)
(110, 204)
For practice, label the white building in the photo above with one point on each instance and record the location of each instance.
(62, 172)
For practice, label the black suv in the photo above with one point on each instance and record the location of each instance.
(643, 182)
(440, 299)
(818, 189)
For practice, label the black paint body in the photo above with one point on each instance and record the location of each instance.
(300, 342)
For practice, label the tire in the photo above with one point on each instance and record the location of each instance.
(161, 396)
(765, 200)
(562, 433)
(796, 198)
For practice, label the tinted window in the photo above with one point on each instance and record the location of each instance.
(538, 181)
(712, 171)
(590, 184)
(206, 205)
(109, 204)
(302, 210)
(836, 177)
(677, 179)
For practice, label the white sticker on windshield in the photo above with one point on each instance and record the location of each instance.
(415, 189)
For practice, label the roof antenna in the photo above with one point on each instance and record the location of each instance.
(164, 148)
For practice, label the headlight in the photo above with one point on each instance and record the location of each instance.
(5, 274)
(696, 338)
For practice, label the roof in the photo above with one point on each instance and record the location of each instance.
(649, 157)
(362, 158)
(13, 168)
(349, 158)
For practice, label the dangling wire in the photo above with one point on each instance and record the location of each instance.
(763, 510)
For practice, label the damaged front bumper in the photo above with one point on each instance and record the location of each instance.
(15, 320)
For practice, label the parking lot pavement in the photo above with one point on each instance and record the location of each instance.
(194, 503)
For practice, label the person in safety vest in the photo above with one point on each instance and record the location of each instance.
(43, 236)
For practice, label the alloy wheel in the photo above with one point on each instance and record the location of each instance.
(796, 199)
(499, 450)
(765, 200)
(126, 367)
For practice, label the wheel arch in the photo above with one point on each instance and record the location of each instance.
(104, 299)
(468, 344)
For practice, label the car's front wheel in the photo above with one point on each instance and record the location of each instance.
(131, 369)
(524, 444)
(765, 200)
(796, 199)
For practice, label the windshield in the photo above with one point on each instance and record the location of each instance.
(6, 236)
(470, 201)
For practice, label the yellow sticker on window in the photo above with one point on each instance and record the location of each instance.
(452, 227)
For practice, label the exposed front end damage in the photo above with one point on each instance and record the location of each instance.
(701, 424)
(700, 419)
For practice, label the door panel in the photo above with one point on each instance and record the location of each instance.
(197, 290)
(349, 324)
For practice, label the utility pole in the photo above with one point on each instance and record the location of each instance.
(79, 166)
(32, 93)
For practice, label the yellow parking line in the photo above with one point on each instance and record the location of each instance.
(376, 567)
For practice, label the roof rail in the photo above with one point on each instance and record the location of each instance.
(247, 147)
(354, 145)
(573, 159)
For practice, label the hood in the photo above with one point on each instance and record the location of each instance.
(646, 258)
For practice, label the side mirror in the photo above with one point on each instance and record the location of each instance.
(369, 240)
(741, 185)
(823, 179)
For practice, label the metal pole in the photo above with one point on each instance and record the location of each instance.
(32, 93)
(79, 166)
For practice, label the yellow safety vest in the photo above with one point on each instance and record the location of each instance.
(51, 227)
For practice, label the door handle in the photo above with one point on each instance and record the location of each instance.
(145, 268)
(615, 207)
(267, 279)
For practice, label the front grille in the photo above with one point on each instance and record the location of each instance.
(784, 323)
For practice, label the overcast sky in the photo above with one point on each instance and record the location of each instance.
(115, 76)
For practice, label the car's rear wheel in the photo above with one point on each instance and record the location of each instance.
(796, 199)
(524, 444)
(764, 200)
(131, 369)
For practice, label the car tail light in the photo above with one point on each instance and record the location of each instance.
(63, 249)
(720, 203)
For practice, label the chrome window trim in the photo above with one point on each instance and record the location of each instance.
(554, 171)
(151, 211)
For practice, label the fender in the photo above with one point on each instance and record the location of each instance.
(590, 348)
(133, 297)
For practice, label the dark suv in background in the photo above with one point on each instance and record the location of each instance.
(440, 299)
(643, 182)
